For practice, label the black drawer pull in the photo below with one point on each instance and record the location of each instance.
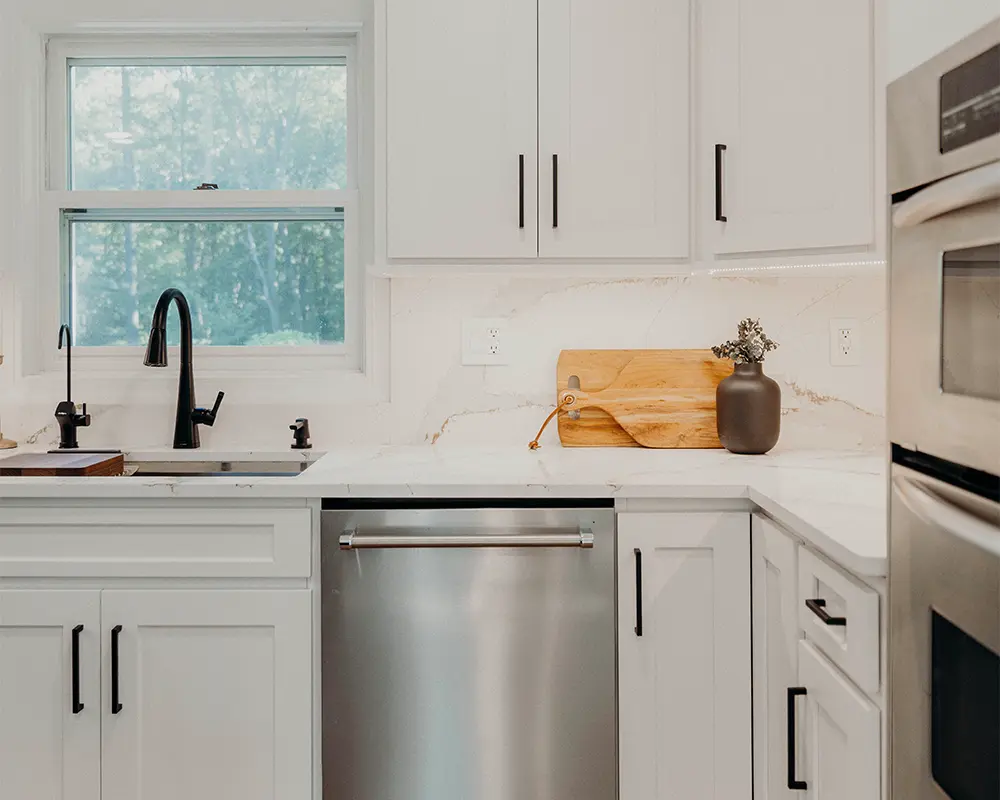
(719, 216)
(77, 705)
(793, 783)
(116, 706)
(638, 591)
(818, 607)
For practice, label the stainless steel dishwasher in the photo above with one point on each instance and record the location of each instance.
(469, 654)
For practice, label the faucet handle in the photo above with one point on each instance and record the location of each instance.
(202, 416)
(83, 419)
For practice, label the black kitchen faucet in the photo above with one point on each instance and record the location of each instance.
(188, 416)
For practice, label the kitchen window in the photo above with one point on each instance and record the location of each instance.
(223, 168)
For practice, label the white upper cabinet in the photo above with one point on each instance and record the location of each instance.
(614, 128)
(208, 695)
(50, 704)
(788, 88)
(684, 656)
(461, 116)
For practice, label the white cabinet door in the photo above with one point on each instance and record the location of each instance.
(211, 695)
(788, 88)
(774, 578)
(461, 114)
(684, 683)
(50, 723)
(614, 109)
(839, 742)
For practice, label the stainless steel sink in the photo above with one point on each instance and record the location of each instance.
(217, 469)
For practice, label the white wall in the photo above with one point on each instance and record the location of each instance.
(920, 29)
(55, 14)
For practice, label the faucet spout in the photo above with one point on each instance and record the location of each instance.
(186, 435)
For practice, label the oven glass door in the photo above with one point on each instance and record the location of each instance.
(970, 321)
(965, 713)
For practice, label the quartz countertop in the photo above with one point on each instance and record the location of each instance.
(834, 500)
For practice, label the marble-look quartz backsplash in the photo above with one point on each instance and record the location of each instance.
(438, 401)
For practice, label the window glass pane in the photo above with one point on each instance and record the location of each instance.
(263, 126)
(248, 283)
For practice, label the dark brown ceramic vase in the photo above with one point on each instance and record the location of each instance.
(748, 404)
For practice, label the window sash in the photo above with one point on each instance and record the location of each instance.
(59, 203)
(62, 52)
(61, 208)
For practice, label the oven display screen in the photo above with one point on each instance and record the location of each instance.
(965, 714)
(970, 101)
(970, 321)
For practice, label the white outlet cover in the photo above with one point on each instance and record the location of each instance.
(485, 341)
(845, 342)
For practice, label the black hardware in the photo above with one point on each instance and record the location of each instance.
(818, 607)
(189, 417)
(719, 216)
(638, 591)
(301, 433)
(66, 412)
(798, 785)
(202, 416)
(116, 706)
(520, 191)
(555, 190)
(77, 705)
(206, 187)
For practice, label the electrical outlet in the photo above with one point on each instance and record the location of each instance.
(484, 342)
(845, 343)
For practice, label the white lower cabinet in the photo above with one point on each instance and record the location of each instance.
(684, 656)
(209, 696)
(817, 736)
(50, 723)
(775, 655)
(201, 695)
(839, 736)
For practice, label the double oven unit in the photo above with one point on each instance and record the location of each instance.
(944, 425)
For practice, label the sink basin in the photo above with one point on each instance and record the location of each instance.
(216, 469)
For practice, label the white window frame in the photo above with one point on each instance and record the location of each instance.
(123, 47)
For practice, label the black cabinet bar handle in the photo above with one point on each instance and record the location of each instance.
(77, 705)
(818, 607)
(638, 591)
(798, 785)
(116, 706)
(520, 191)
(719, 216)
(555, 190)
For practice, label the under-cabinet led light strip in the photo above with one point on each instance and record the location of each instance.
(873, 263)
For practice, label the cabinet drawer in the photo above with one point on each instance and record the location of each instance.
(840, 615)
(155, 542)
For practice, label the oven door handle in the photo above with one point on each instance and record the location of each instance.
(352, 540)
(935, 510)
(952, 194)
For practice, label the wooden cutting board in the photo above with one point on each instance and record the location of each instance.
(640, 398)
(63, 465)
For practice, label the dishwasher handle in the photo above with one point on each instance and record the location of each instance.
(353, 540)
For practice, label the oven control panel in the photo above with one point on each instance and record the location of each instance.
(970, 101)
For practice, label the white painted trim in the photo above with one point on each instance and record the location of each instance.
(355, 373)
(220, 199)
